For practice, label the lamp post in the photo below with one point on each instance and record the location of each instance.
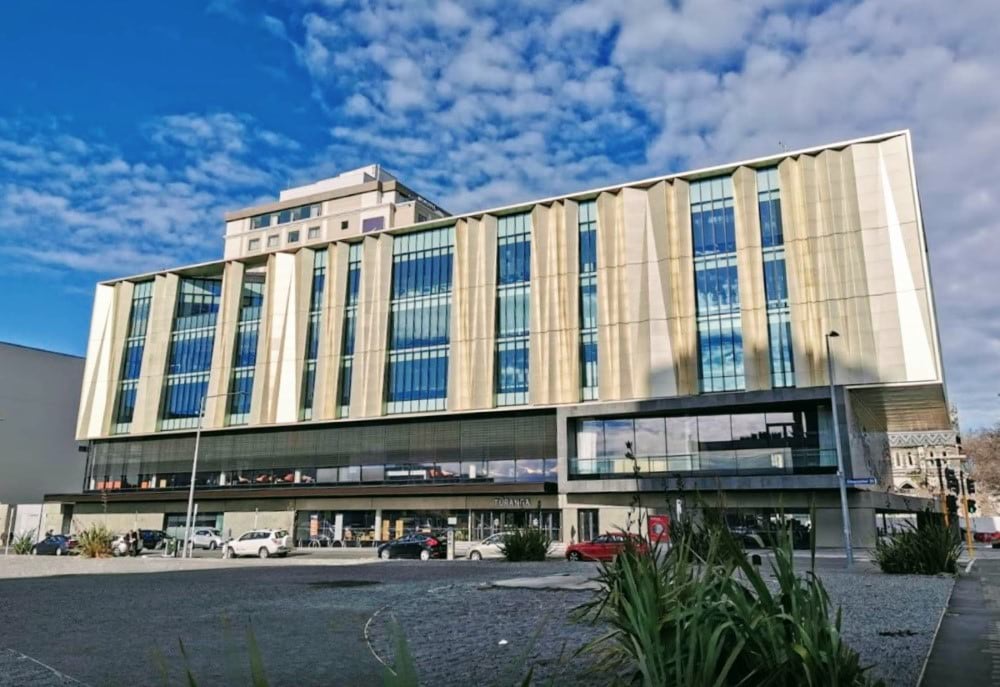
(841, 475)
(188, 524)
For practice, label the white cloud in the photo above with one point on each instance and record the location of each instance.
(84, 206)
(501, 102)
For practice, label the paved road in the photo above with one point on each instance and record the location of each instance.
(967, 648)
(116, 629)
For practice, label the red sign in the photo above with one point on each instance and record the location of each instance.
(659, 529)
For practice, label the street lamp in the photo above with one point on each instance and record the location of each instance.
(188, 525)
(841, 476)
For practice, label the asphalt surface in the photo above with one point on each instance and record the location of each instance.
(125, 629)
(967, 648)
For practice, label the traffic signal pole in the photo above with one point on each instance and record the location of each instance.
(942, 494)
(968, 520)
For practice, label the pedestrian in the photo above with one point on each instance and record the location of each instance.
(126, 544)
(135, 544)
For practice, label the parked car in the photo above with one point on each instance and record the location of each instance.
(52, 545)
(152, 539)
(207, 538)
(986, 537)
(491, 547)
(605, 547)
(422, 546)
(260, 543)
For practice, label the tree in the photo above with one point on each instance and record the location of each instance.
(983, 450)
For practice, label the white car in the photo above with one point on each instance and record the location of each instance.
(260, 543)
(207, 538)
(488, 548)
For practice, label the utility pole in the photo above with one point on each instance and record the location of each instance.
(968, 520)
(942, 495)
(841, 475)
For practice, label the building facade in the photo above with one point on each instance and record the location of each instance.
(553, 362)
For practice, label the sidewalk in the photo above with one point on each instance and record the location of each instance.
(967, 648)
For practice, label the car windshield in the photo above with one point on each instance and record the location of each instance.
(280, 534)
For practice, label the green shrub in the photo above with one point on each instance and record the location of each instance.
(22, 543)
(95, 542)
(929, 549)
(528, 544)
(709, 618)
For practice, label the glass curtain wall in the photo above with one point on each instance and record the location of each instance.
(720, 333)
(420, 313)
(312, 334)
(135, 344)
(775, 283)
(350, 326)
(245, 350)
(513, 308)
(588, 299)
(787, 440)
(190, 358)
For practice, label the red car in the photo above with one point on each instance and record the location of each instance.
(605, 547)
(986, 537)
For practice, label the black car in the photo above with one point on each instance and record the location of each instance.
(152, 539)
(52, 545)
(422, 546)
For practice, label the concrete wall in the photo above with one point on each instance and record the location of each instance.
(39, 397)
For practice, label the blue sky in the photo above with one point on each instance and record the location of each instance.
(126, 129)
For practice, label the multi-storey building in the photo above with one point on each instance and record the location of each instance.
(493, 369)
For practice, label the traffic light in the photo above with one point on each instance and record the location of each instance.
(951, 479)
(971, 506)
(952, 502)
(970, 486)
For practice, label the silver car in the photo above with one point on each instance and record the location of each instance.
(489, 547)
(207, 538)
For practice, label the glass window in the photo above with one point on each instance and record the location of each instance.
(344, 224)
(313, 233)
(513, 308)
(190, 356)
(293, 237)
(650, 437)
(135, 345)
(720, 340)
(253, 245)
(682, 435)
(419, 321)
(616, 434)
(272, 241)
(775, 279)
(245, 349)
(347, 342)
(313, 333)
(714, 432)
(749, 429)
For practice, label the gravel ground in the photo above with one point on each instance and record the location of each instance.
(889, 620)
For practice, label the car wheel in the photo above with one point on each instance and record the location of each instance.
(573, 556)
(212, 546)
(263, 553)
(385, 555)
(425, 555)
(231, 552)
(475, 556)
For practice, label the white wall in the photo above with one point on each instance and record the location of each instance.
(39, 397)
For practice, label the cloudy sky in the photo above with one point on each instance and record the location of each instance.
(127, 129)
